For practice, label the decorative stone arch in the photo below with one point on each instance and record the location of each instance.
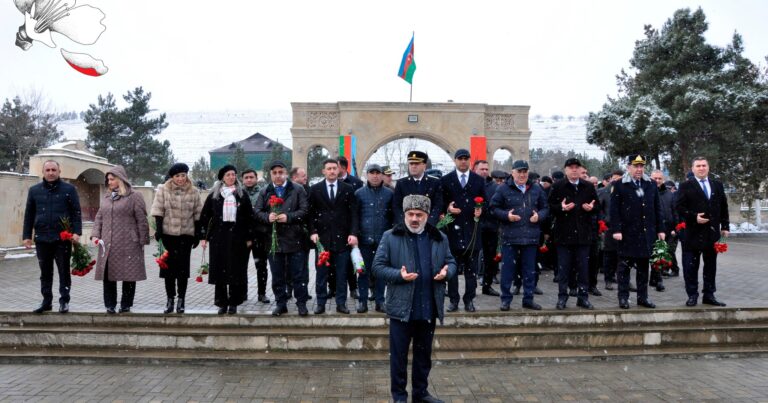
(449, 125)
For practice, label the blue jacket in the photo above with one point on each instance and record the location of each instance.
(508, 197)
(47, 204)
(488, 222)
(374, 206)
(636, 215)
(395, 252)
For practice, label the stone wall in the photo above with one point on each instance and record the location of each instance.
(13, 200)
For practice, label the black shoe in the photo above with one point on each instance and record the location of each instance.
(263, 299)
(660, 287)
(561, 303)
(653, 283)
(232, 309)
(674, 273)
(537, 291)
(180, 306)
(379, 308)
(712, 301)
(646, 303)
(453, 307)
(279, 310)
(111, 311)
(584, 303)
(692, 301)
(594, 291)
(354, 294)
(532, 305)
(504, 306)
(342, 309)
(303, 311)
(632, 288)
(309, 297)
(125, 309)
(609, 286)
(64, 307)
(428, 399)
(319, 309)
(488, 290)
(168, 305)
(516, 291)
(555, 279)
(469, 306)
(43, 308)
(222, 310)
(572, 292)
(362, 306)
(623, 303)
(372, 298)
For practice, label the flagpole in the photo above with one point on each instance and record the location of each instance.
(411, 98)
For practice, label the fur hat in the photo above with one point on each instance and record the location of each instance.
(416, 202)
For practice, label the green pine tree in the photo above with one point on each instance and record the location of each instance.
(238, 159)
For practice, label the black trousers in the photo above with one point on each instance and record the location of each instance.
(691, 260)
(490, 268)
(610, 263)
(282, 263)
(641, 266)
(260, 252)
(468, 263)
(171, 285)
(110, 291)
(228, 294)
(594, 264)
(422, 333)
(48, 253)
(573, 260)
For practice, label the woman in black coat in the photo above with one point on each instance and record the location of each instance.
(227, 224)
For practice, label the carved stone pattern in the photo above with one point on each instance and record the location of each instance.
(323, 120)
(501, 122)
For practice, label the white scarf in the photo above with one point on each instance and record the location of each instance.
(230, 204)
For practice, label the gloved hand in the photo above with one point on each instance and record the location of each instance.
(158, 228)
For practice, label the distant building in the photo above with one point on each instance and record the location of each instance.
(258, 149)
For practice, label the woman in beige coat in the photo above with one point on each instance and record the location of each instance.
(176, 210)
(121, 229)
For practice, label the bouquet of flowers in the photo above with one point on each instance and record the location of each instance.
(661, 258)
(82, 263)
(161, 255)
(447, 219)
(323, 256)
(275, 206)
(203, 270)
(498, 257)
(357, 260)
(721, 246)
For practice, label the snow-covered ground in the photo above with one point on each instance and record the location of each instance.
(193, 134)
(745, 228)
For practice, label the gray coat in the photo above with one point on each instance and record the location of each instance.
(395, 252)
(122, 225)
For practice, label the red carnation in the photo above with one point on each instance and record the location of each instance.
(543, 249)
(497, 258)
(479, 200)
(680, 226)
(65, 235)
(602, 227)
(199, 279)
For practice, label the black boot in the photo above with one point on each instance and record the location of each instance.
(168, 306)
(180, 306)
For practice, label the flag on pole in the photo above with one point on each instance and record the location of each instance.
(408, 65)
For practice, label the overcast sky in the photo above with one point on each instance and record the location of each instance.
(557, 56)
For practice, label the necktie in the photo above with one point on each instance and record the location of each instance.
(637, 184)
(704, 186)
(279, 191)
(463, 180)
(521, 187)
(333, 196)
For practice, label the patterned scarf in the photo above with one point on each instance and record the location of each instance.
(230, 204)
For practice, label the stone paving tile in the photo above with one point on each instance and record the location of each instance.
(658, 380)
(741, 282)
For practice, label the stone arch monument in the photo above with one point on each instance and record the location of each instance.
(449, 125)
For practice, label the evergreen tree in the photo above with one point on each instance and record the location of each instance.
(202, 173)
(278, 152)
(315, 158)
(238, 159)
(126, 136)
(25, 128)
(684, 97)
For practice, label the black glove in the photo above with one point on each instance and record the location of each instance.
(158, 228)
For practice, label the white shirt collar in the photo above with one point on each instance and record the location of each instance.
(419, 178)
(573, 183)
(459, 173)
(331, 183)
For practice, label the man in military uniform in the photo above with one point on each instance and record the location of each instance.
(386, 176)
(417, 182)
(636, 222)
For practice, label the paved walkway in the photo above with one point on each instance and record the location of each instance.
(668, 379)
(741, 282)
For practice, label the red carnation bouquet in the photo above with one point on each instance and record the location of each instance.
(498, 257)
(161, 254)
(721, 246)
(82, 263)
(275, 206)
(323, 256)
(661, 259)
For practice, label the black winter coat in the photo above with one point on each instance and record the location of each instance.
(574, 227)
(636, 214)
(47, 204)
(689, 202)
(604, 197)
(667, 199)
(460, 232)
(290, 235)
(429, 187)
(336, 221)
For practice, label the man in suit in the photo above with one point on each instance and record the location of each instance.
(417, 182)
(333, 220)
(702, 204)
(460, 188)
(572, 203)
(356, 183)
(636, 222)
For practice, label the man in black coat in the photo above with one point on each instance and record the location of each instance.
(489, 231)
(667, 200)
(460, 188)
(636, 222)
(702, 205)
(356, 183)
(48, 203)
(417, 182)
(573, 204)
(333, 220)
(610, 258)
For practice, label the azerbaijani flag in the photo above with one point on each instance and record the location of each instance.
(408, 65)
